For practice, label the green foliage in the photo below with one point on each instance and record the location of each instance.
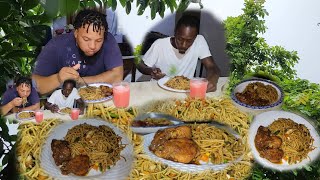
(249, 52)
(23, 32)
(137, 54)
(7, 150)
(252, 56)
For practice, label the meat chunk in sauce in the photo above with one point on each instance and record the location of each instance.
(79, 165)
(60, 151)
(269, 146)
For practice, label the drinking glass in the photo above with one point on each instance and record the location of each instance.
(75, 113)
(198, 87)
(38, 116)
(121, 94)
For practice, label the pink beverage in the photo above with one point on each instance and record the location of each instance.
(39, 116)
(75, 113)
(121, 94)
(198, 87)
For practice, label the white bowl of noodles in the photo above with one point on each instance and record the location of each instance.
(254, 95)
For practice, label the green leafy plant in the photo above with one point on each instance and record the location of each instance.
(249, 52)
(7, 151)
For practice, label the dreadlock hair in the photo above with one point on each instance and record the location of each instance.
(188, 21)
(88, 17)
(24, 80)
(69, 81)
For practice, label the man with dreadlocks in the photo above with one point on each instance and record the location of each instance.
(178, 55)
(89, 54)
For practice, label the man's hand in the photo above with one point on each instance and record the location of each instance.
(54, 108)
(16, 101)
(211, 87)
(69, 73)
(157, 74)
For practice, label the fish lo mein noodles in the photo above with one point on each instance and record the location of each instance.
(215, 144)
(101, 144)
(296, 139)
(29, 145)
(178, 82)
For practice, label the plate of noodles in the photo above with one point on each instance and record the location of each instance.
(175, 84)
(257, 94)
(25, 115)
(64, 110)
(283, 140)
(96, 92)
(217, 148)
(97, 150)
(151, 122)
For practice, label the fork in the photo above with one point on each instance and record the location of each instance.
(84, 81)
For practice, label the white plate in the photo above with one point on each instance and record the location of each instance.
(24, 119)
(121, 169)
(147, 130)
(163, 80)
(59, 111)
(98, 100)
(147, 139)
(265, 119)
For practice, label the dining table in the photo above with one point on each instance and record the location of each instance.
(142, 94)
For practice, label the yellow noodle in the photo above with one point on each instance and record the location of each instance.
(296, 139)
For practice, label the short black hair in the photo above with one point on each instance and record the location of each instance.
(24, 80)
(188, 21)
(69, 81)
(88, 17)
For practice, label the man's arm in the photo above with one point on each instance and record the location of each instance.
(213, 73)
(11, 105)
(6, 108)
(32, 107)
(46, 84)
(110, 76)
(154, 72)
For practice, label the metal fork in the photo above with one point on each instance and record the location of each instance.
(84, 81)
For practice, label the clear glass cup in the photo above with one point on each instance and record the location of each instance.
(38, 116)
(198, 87)
(75, 113)
(121, 94)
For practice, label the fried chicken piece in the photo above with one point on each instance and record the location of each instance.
(179, 150)
(79, 165)
(60, 151)
(170, 133)
(273, 155)
(106, 91)
(274, 142)
(263, 134)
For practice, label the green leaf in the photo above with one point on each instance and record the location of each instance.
(91, 3)
(5, 8)
(114, 5)
(51, 8)
(128, 7)
(183, 5)
(154, 9)
(68, 6)
(170, 4)
(162, 8)
(29, 4)
(123, 2)
(5, 159)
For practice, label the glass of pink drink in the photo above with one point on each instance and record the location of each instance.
(198, 87)
(75, 113)
(121, 94)
(38, 116)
